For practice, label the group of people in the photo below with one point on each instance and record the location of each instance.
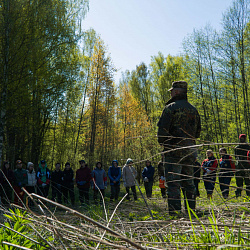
(62, 182)
(228, 169)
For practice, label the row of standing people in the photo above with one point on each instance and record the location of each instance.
(227, 169)
(62, 182)
(209, 167)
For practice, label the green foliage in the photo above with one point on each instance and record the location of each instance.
(39, 70)
(69, 106)
(17, 231)
(141, 87)
(163, 71)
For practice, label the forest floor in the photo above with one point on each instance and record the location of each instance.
(217, 223)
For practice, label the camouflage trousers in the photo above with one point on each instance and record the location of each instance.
(179, 175)
(242, 174)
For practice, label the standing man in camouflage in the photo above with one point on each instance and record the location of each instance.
(178, 127)
(242, 165)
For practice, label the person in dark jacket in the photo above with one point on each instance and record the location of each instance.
(83, 178)
(227, 169)
(20, 181)
(6, 180)
(68, 184)
(242, 173)
(197, 176)
(178, 127)
(56, 183)
(43, 179)
(209, 167)
(114, 174)
(148, 178)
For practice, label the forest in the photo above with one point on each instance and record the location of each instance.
(59, 101)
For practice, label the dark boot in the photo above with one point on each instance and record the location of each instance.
(174, 206)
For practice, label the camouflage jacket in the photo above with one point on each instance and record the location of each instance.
(179, 125)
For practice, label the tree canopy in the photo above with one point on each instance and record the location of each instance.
(59, 101)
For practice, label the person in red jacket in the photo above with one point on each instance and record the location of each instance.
(227, 169)
(209, 166)
(83, 178)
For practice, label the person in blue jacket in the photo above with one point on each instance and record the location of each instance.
(99, 181)
(43, 179)
(114, 174)
(148, 178)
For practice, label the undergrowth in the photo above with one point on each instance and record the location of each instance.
(216, 224)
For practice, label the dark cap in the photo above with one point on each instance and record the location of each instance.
(18, 162)
(81, 161)
(67, 163)
(179, 85)
(43, 162)
(243, 136)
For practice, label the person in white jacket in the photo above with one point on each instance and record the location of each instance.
(31, 186)
(129, 174)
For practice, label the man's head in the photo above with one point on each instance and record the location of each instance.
(243, 138)
(30, 166)
(99, 164)
(178, 88)
(222, 151)
(115, 163)
(58, 165)
(209, 153)
(82, 163)
(67, 165)
(19, 164)
(148, 163)
(129, 161)
(43, 163)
